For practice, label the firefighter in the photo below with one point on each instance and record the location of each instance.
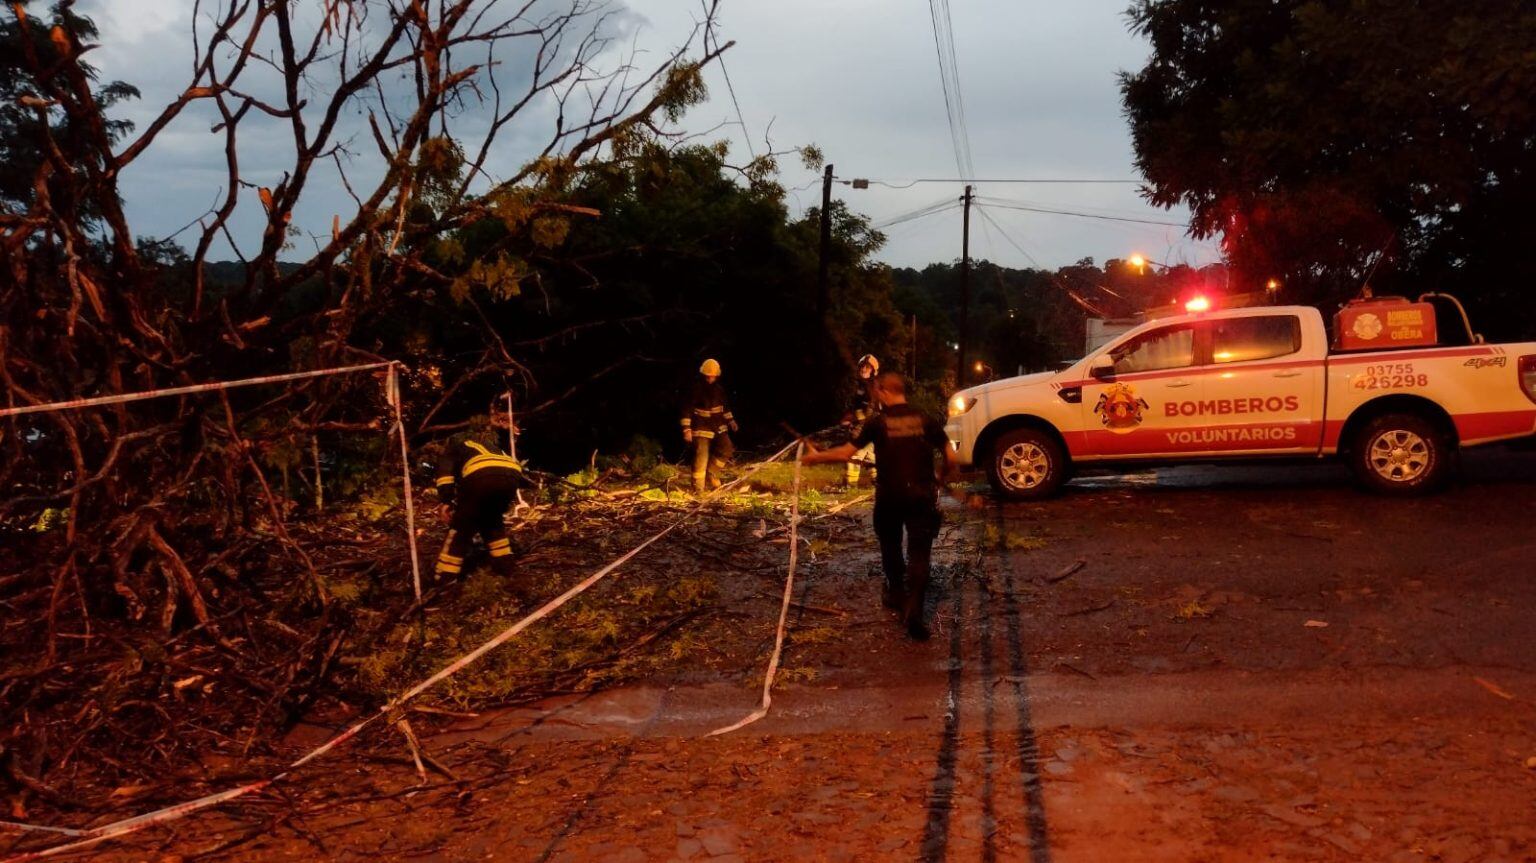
(707, 427)
(861, 406)
(906, 494)
(477, 482)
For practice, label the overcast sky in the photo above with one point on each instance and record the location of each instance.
(858, 78)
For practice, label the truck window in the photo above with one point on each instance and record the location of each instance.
(1167, 348)
(1262, 337)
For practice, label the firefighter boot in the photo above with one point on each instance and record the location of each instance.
(912, 613)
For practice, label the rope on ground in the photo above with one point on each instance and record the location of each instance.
(789, 589)
(117, 829)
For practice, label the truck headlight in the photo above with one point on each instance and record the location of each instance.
(960, 404)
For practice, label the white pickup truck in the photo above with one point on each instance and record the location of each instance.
(1244, 384)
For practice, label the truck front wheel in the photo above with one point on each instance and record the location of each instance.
(1027, 464)
(1401, 454)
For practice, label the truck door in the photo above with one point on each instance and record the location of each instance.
(1133, 410)
(1263, 392)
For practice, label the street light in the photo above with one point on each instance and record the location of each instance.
(982, 368)
(1140, 261)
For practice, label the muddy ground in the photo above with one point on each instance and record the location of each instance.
(1190, 664)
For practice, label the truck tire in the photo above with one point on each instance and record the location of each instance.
(1401, 454)
(1027, 464)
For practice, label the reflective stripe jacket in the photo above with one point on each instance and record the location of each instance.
(467, 456)
(705, 412)
(862, 405)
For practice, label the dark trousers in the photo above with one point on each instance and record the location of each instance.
(918, 521)
(483, 500)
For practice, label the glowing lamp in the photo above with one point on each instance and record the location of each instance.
(1198, 304)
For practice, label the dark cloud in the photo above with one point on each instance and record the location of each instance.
(150, 44)
(859, 78)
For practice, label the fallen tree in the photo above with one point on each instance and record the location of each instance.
(152, 551)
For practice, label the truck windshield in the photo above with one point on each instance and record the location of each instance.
(1166, 348)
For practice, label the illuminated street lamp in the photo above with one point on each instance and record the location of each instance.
(1140, 261)
(982, 368)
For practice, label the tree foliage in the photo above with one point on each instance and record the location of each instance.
(129, 528)
(1334, 141)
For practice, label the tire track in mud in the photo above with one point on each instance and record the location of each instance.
(1026, 744)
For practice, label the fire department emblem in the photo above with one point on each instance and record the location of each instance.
(1119, 408)
(1367, 326)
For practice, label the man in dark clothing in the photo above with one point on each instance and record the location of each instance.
(906, 493)
(477, 483)
(707, 424)
(862, 405)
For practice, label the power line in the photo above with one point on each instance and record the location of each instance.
(949, 80)
(954, 77)
(1054, 279)
(928, 206)
(740, 121)
(1041, 181)
(930, 210)
(1098, 216)
(1139, 212)
(1027, 256)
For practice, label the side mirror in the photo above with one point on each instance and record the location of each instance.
(1102, 368)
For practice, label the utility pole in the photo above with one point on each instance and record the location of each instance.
(823, 290)
(965, 285)
(912, 354)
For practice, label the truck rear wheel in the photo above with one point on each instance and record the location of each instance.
(1027, 464)
(1401, 454)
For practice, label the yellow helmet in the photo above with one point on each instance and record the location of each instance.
(710, 367)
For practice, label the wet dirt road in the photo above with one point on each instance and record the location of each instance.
(1193, 664)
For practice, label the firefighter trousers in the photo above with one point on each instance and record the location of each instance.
(482, 503)
(710, 455)
(916, 521)
(865, 456)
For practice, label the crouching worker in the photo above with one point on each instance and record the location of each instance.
(906, 494)
(477, 483)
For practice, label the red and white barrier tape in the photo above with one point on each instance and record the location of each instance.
(391, 394)
(95, 835)
(123, 398)
(789, 589)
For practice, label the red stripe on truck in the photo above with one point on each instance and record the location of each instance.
(1470, 428)
(1353, 359)
(1153, 442)
(1186, 371)
(1273, 436)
